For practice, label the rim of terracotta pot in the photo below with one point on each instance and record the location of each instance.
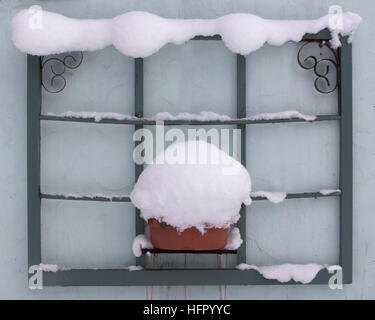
(167, 237)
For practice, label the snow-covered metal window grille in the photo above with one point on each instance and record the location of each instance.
(244, 275)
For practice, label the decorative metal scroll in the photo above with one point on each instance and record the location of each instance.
(324, 64)
(54, 81)
(325, 67)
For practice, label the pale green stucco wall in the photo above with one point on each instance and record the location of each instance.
(192, 77)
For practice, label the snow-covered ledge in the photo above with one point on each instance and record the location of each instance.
(304, 273)
(141, 34)
(184, 116)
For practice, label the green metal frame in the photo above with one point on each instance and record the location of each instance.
(149, 277)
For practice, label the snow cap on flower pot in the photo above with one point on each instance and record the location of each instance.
(191, 186)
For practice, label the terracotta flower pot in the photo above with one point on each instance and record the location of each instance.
(165, 236)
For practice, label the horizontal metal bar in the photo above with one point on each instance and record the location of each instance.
(322, 35)
(165, 277)
(312, 195)
(303, 195)
(145, 121)
(223, 251)
(215, 37)
(85, 198)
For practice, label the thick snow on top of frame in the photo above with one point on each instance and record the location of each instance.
(141, 34)
(193, 184)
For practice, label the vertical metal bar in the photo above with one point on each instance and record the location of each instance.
(346, 160)
(241, 113)
(138, 111)
(149, 264)
(33, 159)
(222, 264)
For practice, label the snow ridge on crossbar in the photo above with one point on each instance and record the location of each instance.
(144, 121)
(126, 198)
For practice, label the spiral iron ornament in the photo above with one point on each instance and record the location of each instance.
(326, 69)
(58, 66)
